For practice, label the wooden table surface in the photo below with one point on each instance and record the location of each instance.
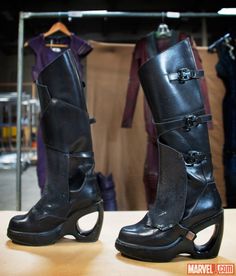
(68, 257)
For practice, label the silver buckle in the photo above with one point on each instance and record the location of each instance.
(185, 74)
(191, 121)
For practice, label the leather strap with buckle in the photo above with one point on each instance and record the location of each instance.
(187, 122)
(194, 157)
(185, 74)
(193, 121)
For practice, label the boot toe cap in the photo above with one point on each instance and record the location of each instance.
(141, 234)
(17, 222)
(138, 233)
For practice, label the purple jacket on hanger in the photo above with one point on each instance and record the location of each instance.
(43, 56)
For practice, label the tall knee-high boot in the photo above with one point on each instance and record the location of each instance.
(187, 199)
(71, 188)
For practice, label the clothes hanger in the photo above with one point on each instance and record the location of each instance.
(226, 40)
(229, 45)
(163, 29)
(56, 27)
(213, 46)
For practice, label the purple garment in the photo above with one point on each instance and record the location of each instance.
(43, 56)
(108, 192)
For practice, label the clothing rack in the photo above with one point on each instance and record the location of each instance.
(78, 14)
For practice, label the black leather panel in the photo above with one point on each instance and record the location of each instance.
(171, 191)
(63, 81)
(66, 127)
(44, 96)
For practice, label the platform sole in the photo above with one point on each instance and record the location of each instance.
(180, 246)
(69, 227)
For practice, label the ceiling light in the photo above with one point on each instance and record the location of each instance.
(81, 13)
(173, 14)
(227, 11)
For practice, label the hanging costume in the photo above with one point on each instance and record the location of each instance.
(43, 56)
(146, 48)
(226, 70)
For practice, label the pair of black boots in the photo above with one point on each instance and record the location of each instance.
(187, 200)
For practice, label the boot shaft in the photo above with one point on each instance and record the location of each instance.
(170, 84)
(65, 127)
(62, 80)
(65, 121)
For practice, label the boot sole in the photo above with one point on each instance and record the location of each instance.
(69, 227)
(180, 246)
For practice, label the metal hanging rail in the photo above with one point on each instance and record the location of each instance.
(74, 14)
(104, 13)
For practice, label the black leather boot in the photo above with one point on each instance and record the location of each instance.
(71, 188)
(187, 199)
